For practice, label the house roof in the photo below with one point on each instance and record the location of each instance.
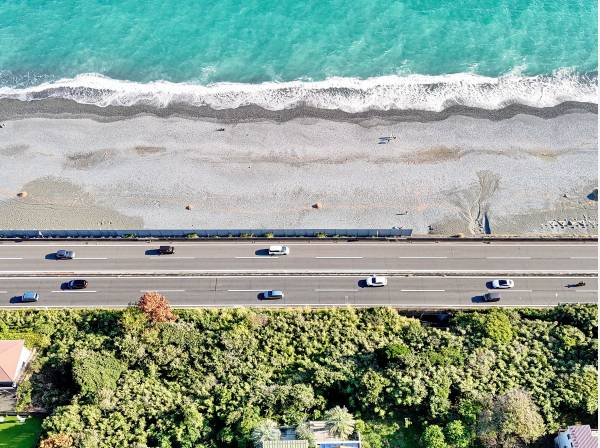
(582, 437)
(10, 352)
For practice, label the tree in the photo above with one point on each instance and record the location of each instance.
(510, 420)
(57, 441)
(581, 391)
(496, 325)
(156, 307)
(433, 437)
(303, 432)
(96, 371)
(264, 431)
(340, 422)
(456, 434)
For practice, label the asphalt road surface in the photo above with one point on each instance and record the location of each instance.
(401, 291)
(314, 274)
(305, 257)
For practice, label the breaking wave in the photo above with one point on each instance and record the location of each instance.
(352, 95)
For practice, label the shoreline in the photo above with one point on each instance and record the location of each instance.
(13, 109)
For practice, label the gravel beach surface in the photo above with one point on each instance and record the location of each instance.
(517, 173)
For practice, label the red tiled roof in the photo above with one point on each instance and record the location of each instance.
(10, 352)
(581, 436)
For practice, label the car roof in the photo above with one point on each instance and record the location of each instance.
(29, 294)
(275, 247)
(494, 294)
(276, 292)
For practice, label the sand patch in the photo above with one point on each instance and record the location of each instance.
(149, 150)
(52, 203)
(87, 160)
(13, 150)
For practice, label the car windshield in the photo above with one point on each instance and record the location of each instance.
(504, 282)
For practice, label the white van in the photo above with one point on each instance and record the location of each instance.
(279, 250)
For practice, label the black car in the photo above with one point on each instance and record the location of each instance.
(491, 297)
(77, 284)
(166, 250)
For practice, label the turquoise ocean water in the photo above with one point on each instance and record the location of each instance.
(347, 54)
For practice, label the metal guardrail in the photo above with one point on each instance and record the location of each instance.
(206, 233)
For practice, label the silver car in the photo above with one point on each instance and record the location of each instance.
(64, 254)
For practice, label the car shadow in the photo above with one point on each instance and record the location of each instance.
(362, 284)
(51, 256)
(64, 285)
(152, 252)
(477, 299)
(15, 299)
(262, 252)
(260, 296)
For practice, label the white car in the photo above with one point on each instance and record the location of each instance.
(279, 250)
(503, 283)
(376, 280)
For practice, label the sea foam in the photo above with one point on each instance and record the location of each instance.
(352, 95)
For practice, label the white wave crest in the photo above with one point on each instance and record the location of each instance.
(409, 92)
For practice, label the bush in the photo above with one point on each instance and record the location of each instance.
(156, 307)
(191, 236)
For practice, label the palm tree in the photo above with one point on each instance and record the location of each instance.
(264, 431)
(340, 422)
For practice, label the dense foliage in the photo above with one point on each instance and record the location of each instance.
(214, 378)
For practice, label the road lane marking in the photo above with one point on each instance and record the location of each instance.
(336, 258)
(162, 290)
(336, 290)
(507, 258)
(423, 290)
(90, 258)
(510, 290)
(583, 258)
(69, 291)
(11, 258)
(3, 292)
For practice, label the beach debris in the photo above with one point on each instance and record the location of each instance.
(593, 196)
(386, 140)
(565, 195)
(221, 130)
(22, 194)
(188, 207)
(402, 213)
(317, 205)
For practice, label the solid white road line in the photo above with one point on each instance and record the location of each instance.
(11, 258)
(90, 258)
(72, 291)
(508, 258)
(3, 292)
(583, 258)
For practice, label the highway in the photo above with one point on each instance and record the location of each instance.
(232, 257)
(401, 291)
(213, 274)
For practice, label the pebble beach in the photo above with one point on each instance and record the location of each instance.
(469, 173)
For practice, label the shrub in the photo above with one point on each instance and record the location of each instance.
(156, 307)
